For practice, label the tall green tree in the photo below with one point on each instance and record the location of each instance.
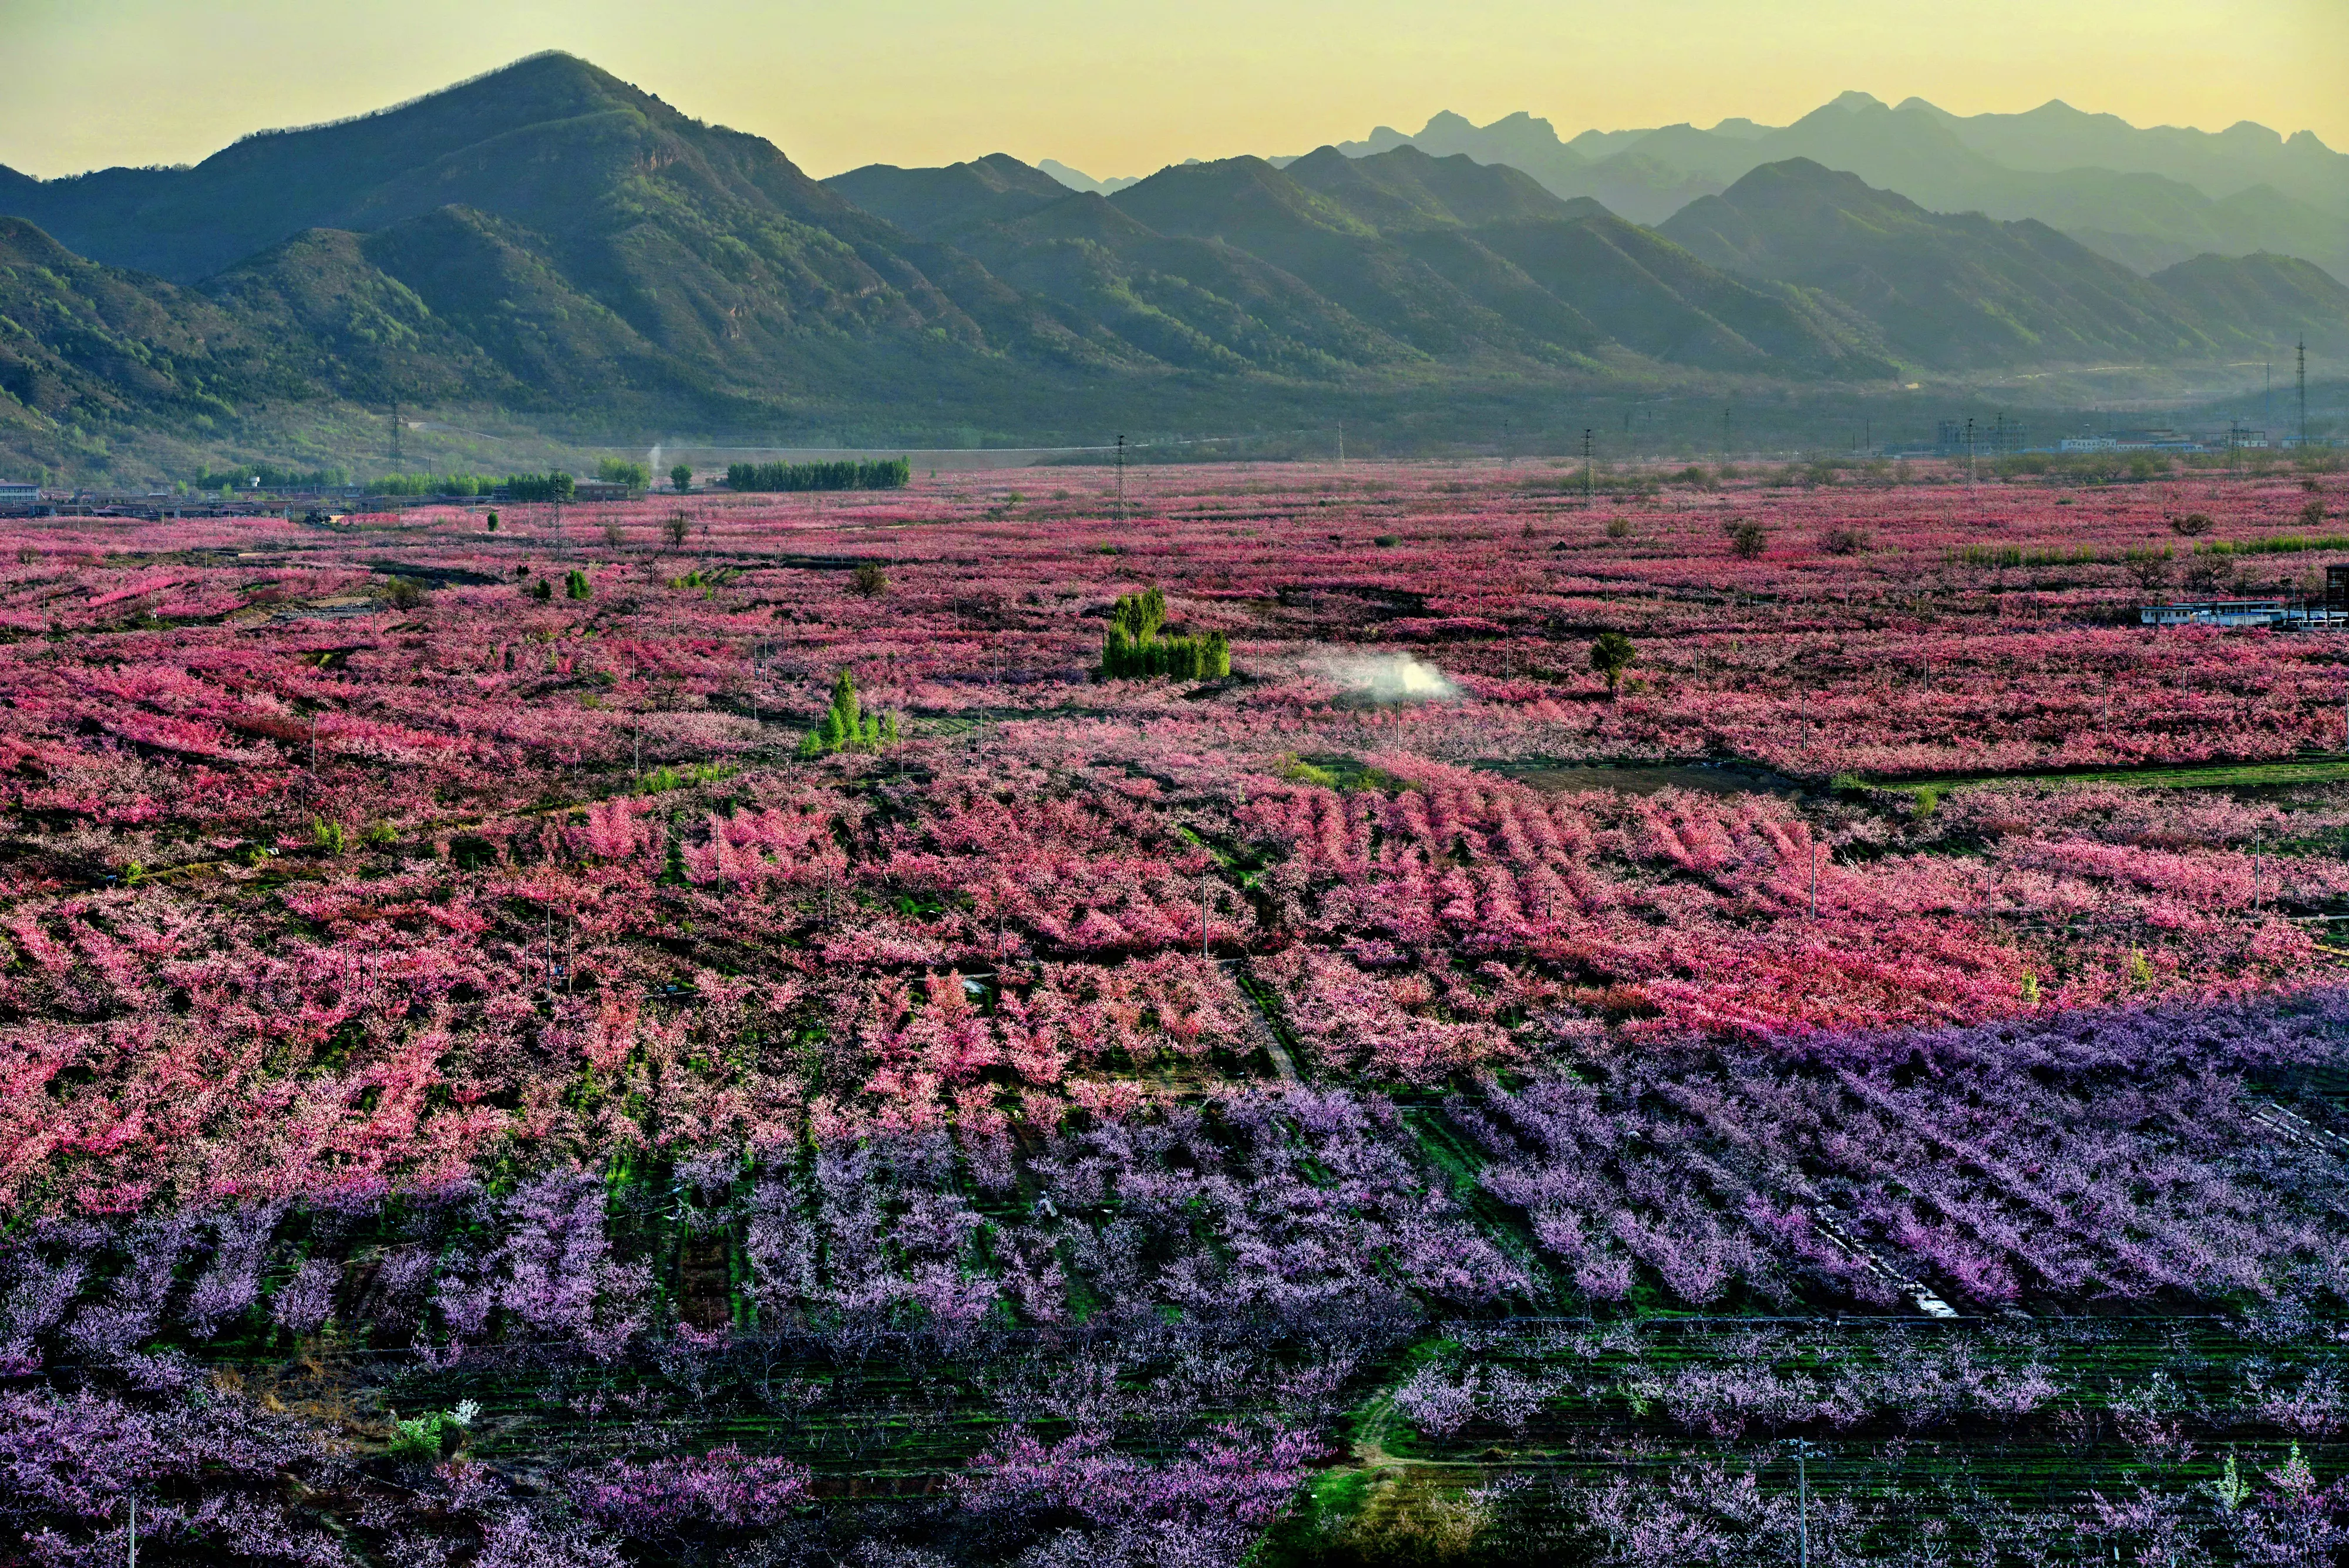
(845, 726)
(1611, 654)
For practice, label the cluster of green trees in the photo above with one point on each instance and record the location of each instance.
(889, 473)
(271, 477)
(620, 471)
(433, 484)
(1132, 646)
(555, 486)
(847, 727)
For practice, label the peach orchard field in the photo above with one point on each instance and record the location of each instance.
(436, 960)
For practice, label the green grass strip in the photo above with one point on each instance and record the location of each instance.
(2206, 775)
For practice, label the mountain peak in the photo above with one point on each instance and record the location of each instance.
(1855, 101)
(534, 88)
(1800, 173)
(1523, 121)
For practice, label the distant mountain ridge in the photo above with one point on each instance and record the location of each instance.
(551, 242)
(2145, 198)
(1967, 291)
(1397, 259)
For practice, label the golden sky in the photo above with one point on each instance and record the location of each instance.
(1124, 86)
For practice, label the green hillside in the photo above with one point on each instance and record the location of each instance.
(1940, 290)
(2264, 298)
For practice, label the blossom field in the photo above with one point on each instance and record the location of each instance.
(498, 1064)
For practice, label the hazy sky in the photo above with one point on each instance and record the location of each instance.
(1124, 86)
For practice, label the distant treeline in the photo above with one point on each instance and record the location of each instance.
(1996, 555)
(555, 486)
(272, 478)
(433, 484)
(2275, 545)
(890, 473)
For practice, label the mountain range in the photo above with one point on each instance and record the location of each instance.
(2146, 198)
(551, 242)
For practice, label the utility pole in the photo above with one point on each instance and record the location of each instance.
(1121, 479)
(1341, 443)
(1725, 435)
(1815, 881)
(1803, 1498)
(1586, 478)
(2303, 393)
(1203, 881)
(1972, 468)
(395, 458)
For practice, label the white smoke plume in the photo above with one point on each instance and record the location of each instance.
(1389, 677)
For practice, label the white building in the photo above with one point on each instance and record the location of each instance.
(2290, 615)
(12, 490)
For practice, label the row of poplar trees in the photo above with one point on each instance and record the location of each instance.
(1132, 648)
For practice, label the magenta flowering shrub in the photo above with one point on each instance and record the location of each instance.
(1980, 1162)
(553, 1276)
(1214, 1496)
(209, 1477)
(723, 1488)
